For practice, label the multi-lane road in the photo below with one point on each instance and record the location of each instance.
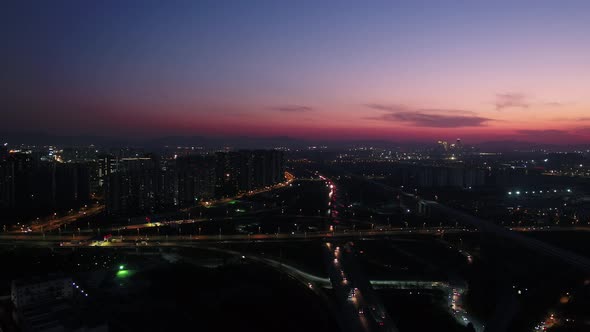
(580, 262)
(74, 237)
(569, 257)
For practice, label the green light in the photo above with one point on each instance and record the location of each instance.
(121, 267)
(122, 273)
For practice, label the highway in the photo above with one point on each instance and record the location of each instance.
(354, 291)
(364, 306)
(53, 239)
(571, 258)
(359, 310)
(580, 262)
(54, 222)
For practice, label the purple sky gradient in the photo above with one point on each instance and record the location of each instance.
(418, 70)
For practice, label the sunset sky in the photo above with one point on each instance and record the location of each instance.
(393, 70)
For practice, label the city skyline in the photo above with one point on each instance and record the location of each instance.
(399, 71)
(273, 165)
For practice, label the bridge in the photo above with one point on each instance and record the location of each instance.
(84, 236)
(580, 262)
(569, 257)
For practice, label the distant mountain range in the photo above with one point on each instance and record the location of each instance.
(244, 142)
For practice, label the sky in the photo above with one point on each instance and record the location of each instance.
(332, 70)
